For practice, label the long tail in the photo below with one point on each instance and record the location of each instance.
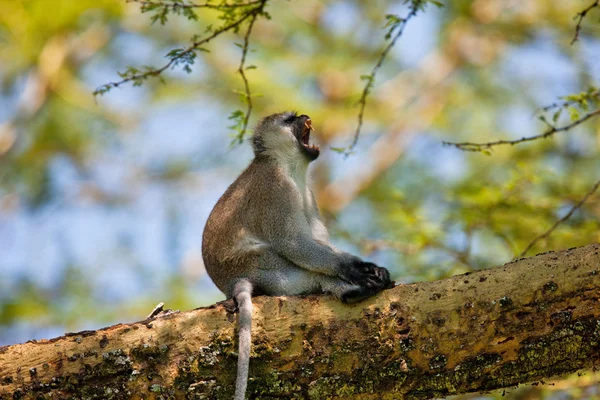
(243, 296)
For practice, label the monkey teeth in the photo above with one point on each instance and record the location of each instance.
(304, 139)
(305, 143)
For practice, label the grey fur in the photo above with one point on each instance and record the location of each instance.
(242, 294)
(265, 235)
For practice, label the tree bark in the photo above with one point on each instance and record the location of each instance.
(525, 321)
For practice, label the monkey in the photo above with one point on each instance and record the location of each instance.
(265, 235)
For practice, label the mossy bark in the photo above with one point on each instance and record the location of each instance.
(527, 320)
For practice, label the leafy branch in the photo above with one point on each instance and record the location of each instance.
(561, 220)
(161, 9)
(574, 104)
(583, 99)
(185, 55)
(580, 16)
(241, 119)
(147, 5)
(394, 24)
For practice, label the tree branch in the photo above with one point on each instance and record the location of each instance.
(580, 16)
(398, 25)
(525, 321)
(581, 99)
(185, 55)
(247, 95)
(561, 220)
(471, 146)
(181, 4)
(424, 99)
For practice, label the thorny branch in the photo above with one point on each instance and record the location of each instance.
(592, 93)
(370, 79)
(580, 16)
(471, 146)
(183, 4)
(561, 220)
(185, 54)
(247, 95)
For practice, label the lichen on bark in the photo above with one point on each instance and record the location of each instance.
(527, 320)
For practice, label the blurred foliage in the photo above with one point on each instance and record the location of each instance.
(476, 71)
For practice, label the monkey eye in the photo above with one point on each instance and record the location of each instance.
(290, 119)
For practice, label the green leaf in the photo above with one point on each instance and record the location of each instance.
(339, 149)
(556, 116)
(149, 7)
(236, 114)
(392, 19)
(573, 113)
(190, 14)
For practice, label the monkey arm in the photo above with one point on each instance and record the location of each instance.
(305, 252)
(290, 224)
(288, 232)
(307, 247)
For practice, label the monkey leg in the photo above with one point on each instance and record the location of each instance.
(277, 276)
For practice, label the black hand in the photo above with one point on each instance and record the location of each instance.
(373, 279)
(365, 274)
(379, 280)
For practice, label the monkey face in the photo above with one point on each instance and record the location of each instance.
(301, 127)
(284, 135)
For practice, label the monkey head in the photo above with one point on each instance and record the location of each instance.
(285, 134)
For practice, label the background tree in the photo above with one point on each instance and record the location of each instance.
(103, 199)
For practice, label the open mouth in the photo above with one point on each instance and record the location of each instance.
(304, 139)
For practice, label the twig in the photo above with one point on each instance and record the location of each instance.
(181, 4)
(470, 146)
(592, 93)
(243, 74)
(157, 310)
(371, 77)
(183, 54)
(580, 16)
(561, 220)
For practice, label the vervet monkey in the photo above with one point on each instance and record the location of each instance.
(265, 236)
